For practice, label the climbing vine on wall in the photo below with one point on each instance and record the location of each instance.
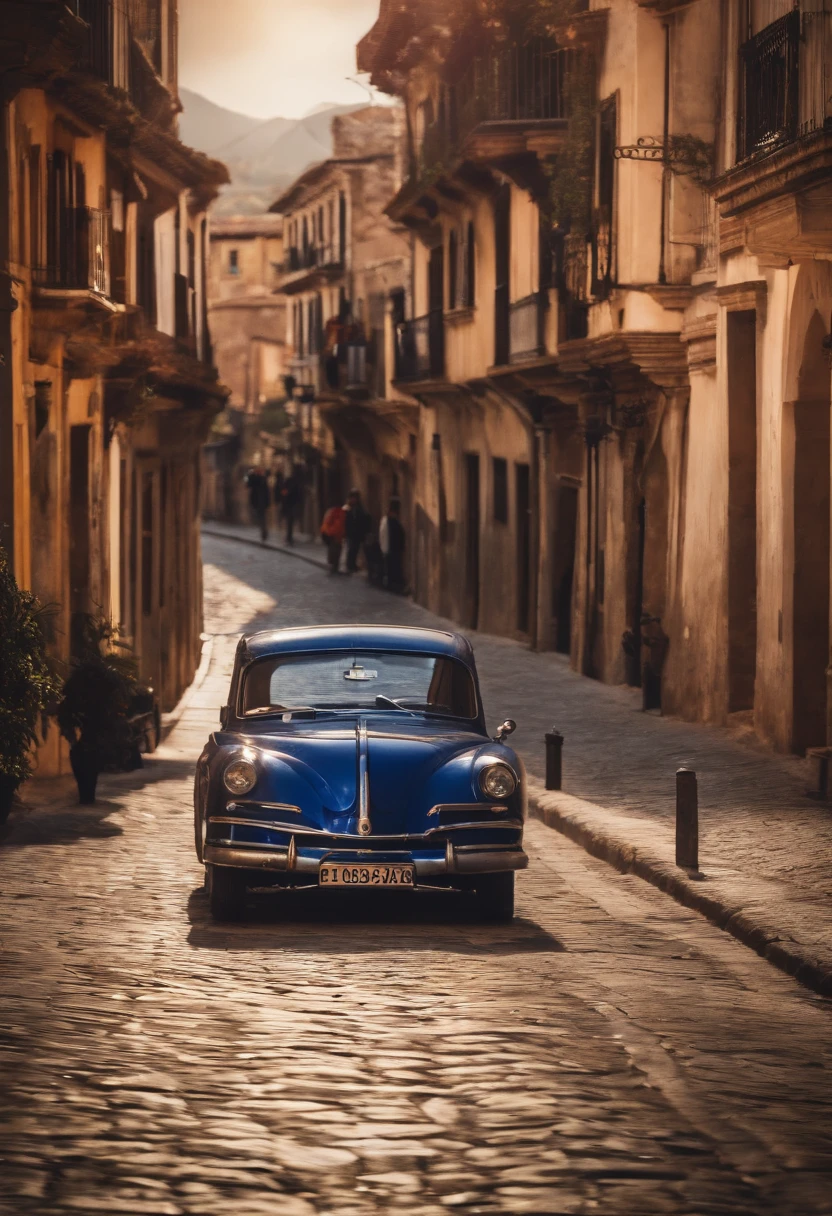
(570, 173)
(570, 177)
(525, 19)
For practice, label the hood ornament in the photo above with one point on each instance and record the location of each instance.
(363, 782)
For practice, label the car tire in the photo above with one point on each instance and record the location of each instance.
(226, 892)
(495, 897)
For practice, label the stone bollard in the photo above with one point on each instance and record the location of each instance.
(554, 759)
(687, 820)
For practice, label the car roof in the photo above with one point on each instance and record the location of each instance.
(357, 637)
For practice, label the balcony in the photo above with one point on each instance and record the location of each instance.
(776, 200)
(310, 258)
(527, 319)
(98, 15)
(304, 266)
(495, 101)
(420, 348)
(82, 261)
(306, 371)
(785, 78)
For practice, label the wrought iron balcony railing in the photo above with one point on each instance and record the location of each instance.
(310, 258)
(785, 74)
(82, 260)
(515, 84)
(98, 15)
(769, 89)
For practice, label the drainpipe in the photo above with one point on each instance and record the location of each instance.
(665, 155)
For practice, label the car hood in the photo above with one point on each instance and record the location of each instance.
(413, 765)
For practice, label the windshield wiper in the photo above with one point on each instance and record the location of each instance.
(381, 701)
(276, 712)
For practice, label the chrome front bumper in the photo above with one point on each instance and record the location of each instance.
(459, 859)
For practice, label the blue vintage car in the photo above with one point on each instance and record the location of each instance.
(358, 757)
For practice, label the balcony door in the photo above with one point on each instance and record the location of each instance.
(502, 246)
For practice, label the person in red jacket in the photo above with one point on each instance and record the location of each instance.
(333, 530)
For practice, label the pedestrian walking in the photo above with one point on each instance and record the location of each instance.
(356, 527)
(391, 539)
(291, 494)
(259, 498)
(333, 530)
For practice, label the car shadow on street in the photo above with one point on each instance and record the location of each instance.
(329, 922)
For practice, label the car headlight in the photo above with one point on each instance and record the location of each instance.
(240, 776)
(498, 781)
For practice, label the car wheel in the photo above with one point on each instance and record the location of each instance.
(495, 897)
(226, 892)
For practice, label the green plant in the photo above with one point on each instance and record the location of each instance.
(526, 18)
(273, 417)
(28, 682)
(570, 188)
(94, 712)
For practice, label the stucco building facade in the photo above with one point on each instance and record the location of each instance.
(248, 333)
(106, 385)
(347, 281)
(618, 336)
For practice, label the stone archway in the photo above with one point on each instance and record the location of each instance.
(810, 645)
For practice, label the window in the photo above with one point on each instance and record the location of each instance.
(500, 475)
(43, 405)
(453, 270)
(233, 261)
(469, 278)
(35, 208)
(360, 681)
(461, 267)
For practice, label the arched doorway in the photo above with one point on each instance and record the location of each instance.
(811, 543)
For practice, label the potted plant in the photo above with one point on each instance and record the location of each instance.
(94, 714)
(27, 682)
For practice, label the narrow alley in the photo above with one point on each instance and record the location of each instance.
(609, 1052)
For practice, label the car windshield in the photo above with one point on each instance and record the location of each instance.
(349, 680)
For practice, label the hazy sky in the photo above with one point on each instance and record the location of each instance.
(269, 57)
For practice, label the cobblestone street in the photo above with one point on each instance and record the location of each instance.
(609, 1052)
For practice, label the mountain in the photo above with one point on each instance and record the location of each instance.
(263, 155)
(207, 127)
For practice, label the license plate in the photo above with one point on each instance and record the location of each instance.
(366, 876)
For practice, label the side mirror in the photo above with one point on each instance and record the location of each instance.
(507, 728)
(225, 713)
